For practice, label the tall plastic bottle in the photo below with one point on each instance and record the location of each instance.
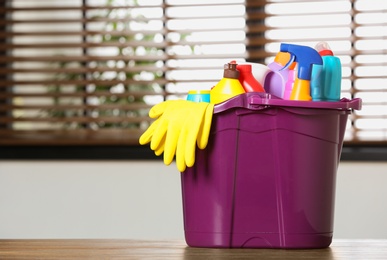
(247, 80)
(326, 78)
(229, 86)
(289, 83)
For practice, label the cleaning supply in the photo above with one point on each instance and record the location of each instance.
(289, 83)
(277, 78)
(305, 57)
(180, 125)
(229, 86)
(326, 78)
(316, 84)
(199, 95)
(246, 78)
(259, 71)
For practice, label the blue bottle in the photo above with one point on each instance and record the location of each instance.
(326, 79)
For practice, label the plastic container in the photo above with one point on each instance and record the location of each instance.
(247, 80)
(199, 96)
(267, 177)
(259, 71)
(326, 78)
(229, 86)
(277, 78)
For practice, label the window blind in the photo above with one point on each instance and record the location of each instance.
(86, 72)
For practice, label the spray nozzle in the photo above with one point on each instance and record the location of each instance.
(305, 57)
(290, 63)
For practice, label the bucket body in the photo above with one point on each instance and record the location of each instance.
(267, 177)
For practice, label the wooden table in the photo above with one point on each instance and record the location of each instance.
(137, 249)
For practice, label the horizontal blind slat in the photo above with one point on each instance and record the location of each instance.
(68, 119)
(71, 137)
(46, 8)
(122, 58)
(82, 94)
(109, 44)
(75, 107)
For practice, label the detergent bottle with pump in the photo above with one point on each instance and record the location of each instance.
(246, 78)
(229, 86)
(276, 79)
(305, 57)
(326, 78)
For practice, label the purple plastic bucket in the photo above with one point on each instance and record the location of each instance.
(267, 177)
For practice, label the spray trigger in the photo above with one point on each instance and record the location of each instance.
(290, 62)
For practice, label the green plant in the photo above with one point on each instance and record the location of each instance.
(110, 82)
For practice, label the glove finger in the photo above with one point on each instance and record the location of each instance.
(171, 139)
(159, 133)
(190, 148)
(192, 128)
(205, 128)
(167, 107)
(180, 158)
(160, 149)
(158, 109)
(146, 137)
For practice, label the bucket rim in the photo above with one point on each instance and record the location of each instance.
(257, 100)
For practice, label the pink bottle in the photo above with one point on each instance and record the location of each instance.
(289, 84)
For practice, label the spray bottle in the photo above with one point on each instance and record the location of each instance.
(305, 57)
(229, 86)
(326, 78)
(246, 78)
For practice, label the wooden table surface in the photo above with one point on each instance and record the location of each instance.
(141, 249)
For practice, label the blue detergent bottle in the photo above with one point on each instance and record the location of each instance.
(326, 78)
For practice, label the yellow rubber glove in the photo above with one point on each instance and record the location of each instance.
(195, 130)
(180, 125)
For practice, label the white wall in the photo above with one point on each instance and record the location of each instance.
(361, 208)
(142, 200)
(89, 200)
